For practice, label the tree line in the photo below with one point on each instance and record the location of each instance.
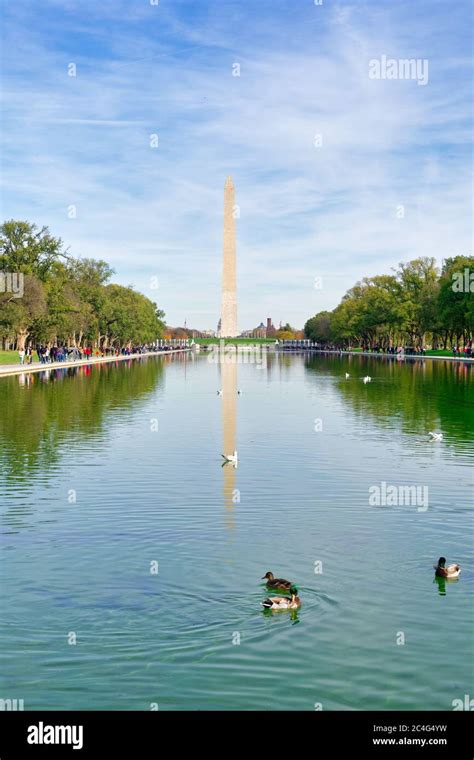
(48, 296)
(419, 305)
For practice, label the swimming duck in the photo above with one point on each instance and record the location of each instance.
(367, 379)
(283, 602)
(277, 583)
(452, 571)
(347, 376)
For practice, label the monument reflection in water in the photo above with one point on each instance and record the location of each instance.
(228, 377)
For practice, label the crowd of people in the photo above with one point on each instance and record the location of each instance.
(403, 350)
(467, 351)
(394, 350)
(58, 353)
(48, 355)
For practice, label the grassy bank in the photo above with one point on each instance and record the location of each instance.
(235, 341)
(9, 357)
(440, 352)
(437, 352)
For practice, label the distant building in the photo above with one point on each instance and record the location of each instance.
(262, 331)
(270, 328)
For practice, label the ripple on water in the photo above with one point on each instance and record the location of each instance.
(298, 497)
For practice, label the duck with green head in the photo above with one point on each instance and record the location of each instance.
(283, 602)
(441, 571)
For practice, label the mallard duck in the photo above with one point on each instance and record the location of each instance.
(283, 602)
(277, 583)
(452, 571)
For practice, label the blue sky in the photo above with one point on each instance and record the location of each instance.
(306, 212)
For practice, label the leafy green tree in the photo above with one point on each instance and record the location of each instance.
(418, 279)
(26, 248)
(128, 317)
(318, 328)
(33, 252)
(456, 298)
(413, 305)
(66, 299)
(18, 315)
(89, 278)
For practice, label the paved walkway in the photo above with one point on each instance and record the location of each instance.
(408, 356)
(19, 369)
(373, 354)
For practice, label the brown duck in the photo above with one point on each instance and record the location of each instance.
(277, 583)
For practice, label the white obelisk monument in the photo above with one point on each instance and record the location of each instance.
(229, 266)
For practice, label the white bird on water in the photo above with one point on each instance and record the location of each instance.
(347, 376)
(219, 392)
(231, 458)
(436, 436)
(367, 379)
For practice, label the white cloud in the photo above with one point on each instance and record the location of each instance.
(305, 211)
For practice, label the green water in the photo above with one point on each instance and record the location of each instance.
(110, 474)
